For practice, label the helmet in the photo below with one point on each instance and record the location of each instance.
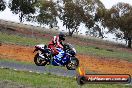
(62, 36)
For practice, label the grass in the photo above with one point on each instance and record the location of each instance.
(91, 50)
(49, 81)
(20, 40)
(104, 52)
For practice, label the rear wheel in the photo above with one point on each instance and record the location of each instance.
(39, 61)
(73, 64)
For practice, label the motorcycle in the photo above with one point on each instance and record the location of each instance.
(44, 56)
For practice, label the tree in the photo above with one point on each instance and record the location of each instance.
(120, 17)
(22, 7)
(91, 19)
(72, 16)
(48, 13)
(2, 5)
(71, 12)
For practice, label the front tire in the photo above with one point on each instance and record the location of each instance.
(39, 61)
(73, 64)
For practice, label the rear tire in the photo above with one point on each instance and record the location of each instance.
(39, 61)
(73, 64)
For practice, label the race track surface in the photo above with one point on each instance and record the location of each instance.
(37, 69)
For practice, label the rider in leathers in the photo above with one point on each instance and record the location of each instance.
(56, 42)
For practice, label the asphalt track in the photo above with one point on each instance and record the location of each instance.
(38, 69)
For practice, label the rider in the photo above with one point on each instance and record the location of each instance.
(56, 42)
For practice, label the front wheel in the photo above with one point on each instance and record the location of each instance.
(73, 64)
(39, 61)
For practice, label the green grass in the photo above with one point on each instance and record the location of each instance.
(20, 40)
(104, 52)
(49, 81)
